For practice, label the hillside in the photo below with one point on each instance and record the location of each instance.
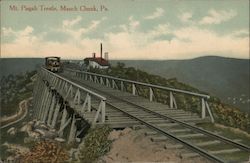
(15, 88)
(225, 78)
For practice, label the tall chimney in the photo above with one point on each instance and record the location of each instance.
(106, 56)
(101, 50)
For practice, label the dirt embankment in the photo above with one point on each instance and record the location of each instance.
(133, 146)
(23, 107)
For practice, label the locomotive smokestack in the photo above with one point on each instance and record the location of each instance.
(101, 50)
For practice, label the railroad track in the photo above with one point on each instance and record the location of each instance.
(205, 143)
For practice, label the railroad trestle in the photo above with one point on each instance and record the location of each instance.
(119, 83)
(62, 104)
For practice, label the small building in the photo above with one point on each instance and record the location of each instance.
(97, 62)
(100, 63)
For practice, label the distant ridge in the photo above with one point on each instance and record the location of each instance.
(18, 65)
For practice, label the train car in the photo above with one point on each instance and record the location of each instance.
(53, 64)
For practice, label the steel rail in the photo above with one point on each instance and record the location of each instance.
(76, 85)
(208, 133)
(144, 84)
(189, 145)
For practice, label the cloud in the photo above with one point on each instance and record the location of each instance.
(70, 23)
(27, 31)
(7, 31)
(202, 41)
(25, 42)
(24, 36)
(185, 17)
(28, 44)
(77, 33)
(129, 43)
(158, 13)
(10, 32)
(217, 17)
(241, 33)
(159, 30)
(189, 42)
(132, 25)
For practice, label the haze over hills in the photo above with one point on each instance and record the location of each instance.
(226, 78)
(18, 65)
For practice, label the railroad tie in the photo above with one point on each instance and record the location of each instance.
(125, 121)
(150, 132)
(140, 126)
(167, 124)
(163, 138)
(179, 130)
(190, 135)
(158, 121)
(224, 151)
(122, 124)
(113, 119)
(201, 144)
(159, 138)
(172, 124)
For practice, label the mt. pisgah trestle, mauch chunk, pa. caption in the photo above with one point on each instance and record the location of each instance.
(63, 8)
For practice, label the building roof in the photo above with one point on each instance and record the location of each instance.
(99, 60)
(52, 57)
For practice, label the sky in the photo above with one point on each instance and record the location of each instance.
(131, 29)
